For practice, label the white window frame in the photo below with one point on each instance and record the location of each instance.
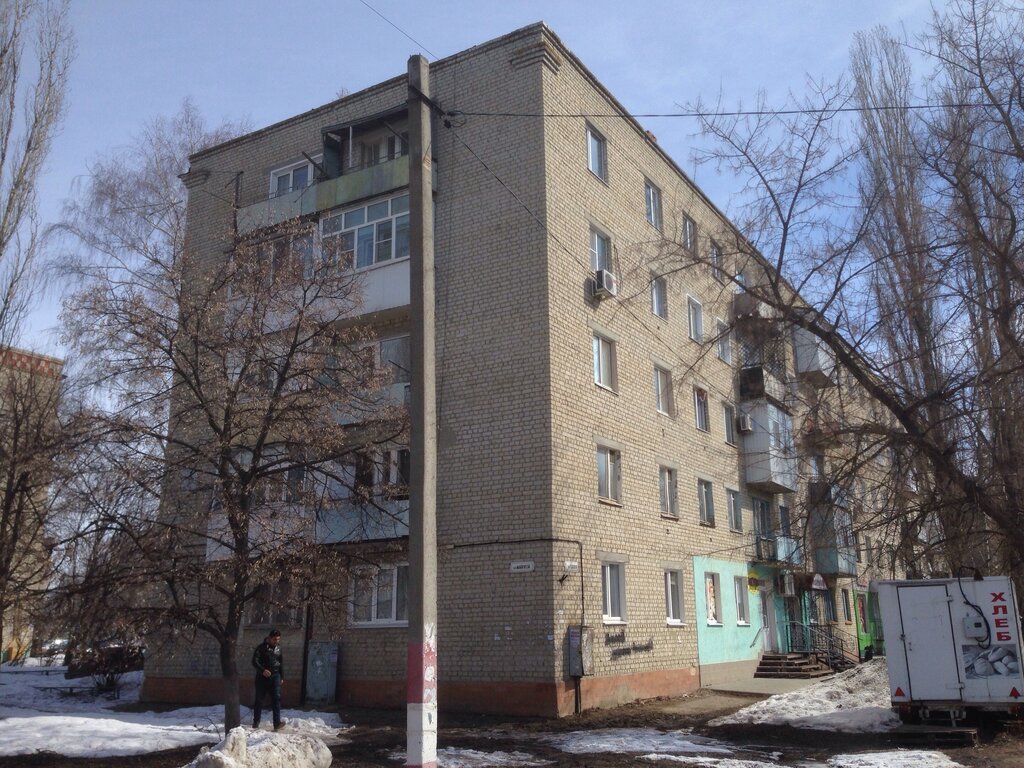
(695, 319)
(663, 394)
(600, 250)
(351, 234)
(729, 423)
(724, 341)
(713, 598)
(675, 605)
(734, 499)
(613, 590)
(688, 234)
(668, 491)
(609, 476)
(597, 161)
(604, 361)
(371, 576)
(289, 171)
(701, 413)
(706, 502)
(739, 584)
(652, 204)
(659, 296)
(847, 610)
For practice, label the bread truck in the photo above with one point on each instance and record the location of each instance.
(953, 647)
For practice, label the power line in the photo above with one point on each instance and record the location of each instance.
(389, 21)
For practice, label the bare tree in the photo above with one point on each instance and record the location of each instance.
(900, 226)
(241, 395)
(35, 55)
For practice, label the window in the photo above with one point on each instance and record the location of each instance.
(393, 473)
(785, 528)
(847, 616)
(689, 234)
(613, 589)
(716, 262)
(663, 390)
(380, 596)
(597, 153)
(700, 409)
(706, 502)
(729, 422)
(276, 605)
(674, 597)
(608, 474)
(652, 200)
(600, 251)
(713, 598)
(856, 542)
(659, 297)
(735, 510)
(396, 355)
(368, 235)
(762, 516)
(742, 606)
(604, 362)
(696, 318)
(724, 342)
(667, 491)
(780, 432)
(292, 178)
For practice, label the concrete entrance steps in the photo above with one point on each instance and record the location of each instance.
(800, 666)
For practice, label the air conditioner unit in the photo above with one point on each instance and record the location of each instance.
(605, 284)
(744, 423)
(787, 586)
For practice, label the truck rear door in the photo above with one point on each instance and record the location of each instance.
(928, 643)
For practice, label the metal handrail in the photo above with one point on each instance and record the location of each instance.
(820, 641)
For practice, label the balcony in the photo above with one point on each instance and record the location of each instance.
(768, 454)
(748, 308)
(824, 493)
(757, 382)
(332, 193)
(814, 361)
(782, 550)
(381, 518)
(835, 561)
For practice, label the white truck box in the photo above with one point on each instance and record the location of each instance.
(953, 645)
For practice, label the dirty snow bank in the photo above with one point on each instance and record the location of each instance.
(455, 757)
(625, 740)
(244, 748)
(855, 701)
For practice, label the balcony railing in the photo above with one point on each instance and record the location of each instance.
(359, 184)
(813, 360)
(836, 560)
(770, 548)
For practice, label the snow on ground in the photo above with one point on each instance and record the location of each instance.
(903, 758)
(710, 762)
(634, 740)
(245, 748)
(855, 701)
(40, 714)
(453, 757)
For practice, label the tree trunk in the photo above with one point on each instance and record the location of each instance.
(229, 671)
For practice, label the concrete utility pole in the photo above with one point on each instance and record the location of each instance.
(421, 666)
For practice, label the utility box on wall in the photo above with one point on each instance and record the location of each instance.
(581, 650)
(322, 671)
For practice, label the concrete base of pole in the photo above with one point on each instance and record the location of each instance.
(421, 726)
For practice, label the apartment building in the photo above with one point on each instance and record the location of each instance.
(29, 392)
(616, 442)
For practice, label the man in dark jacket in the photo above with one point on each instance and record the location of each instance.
(269, 666)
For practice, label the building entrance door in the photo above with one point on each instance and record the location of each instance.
(769, 634)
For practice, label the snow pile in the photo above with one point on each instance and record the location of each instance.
(904, 758)
(41, 711)
(244, 748)
(625, 740)
(453, 757)
(855, 701)
(710, 762)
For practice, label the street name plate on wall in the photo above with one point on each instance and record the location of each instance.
(521, 566)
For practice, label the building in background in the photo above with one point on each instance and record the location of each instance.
(629, 442)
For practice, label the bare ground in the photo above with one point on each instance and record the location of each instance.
(379, 733)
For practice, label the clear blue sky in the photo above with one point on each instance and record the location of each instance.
(265, 60)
